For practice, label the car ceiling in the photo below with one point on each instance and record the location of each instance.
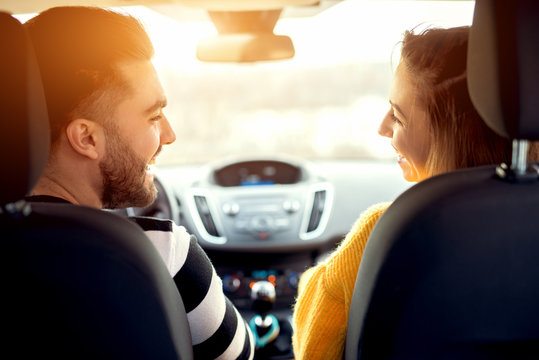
(177, 9)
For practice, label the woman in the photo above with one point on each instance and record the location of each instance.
(434, 128)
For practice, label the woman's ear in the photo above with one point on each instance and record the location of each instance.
(85, 136)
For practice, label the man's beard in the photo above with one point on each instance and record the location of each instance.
(124, 176)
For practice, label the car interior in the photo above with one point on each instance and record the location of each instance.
(448, 273)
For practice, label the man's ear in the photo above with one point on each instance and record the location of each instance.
(85, 136)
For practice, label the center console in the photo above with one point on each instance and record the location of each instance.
(259, 206)
(240, 272)
(258, 221)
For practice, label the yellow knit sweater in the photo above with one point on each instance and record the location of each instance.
(325, 292)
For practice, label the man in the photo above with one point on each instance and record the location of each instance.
(107, 127)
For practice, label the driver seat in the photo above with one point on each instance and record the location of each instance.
(451, 269)
(77, 282)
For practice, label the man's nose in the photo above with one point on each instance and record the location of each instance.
(167, 134)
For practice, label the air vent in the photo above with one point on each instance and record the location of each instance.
(319, 202)
(317, 211)
(205, 215)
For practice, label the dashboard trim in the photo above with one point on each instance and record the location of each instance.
(328, 204)
(191, 193)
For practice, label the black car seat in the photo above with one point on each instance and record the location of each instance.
(76, 282)
(451, 270)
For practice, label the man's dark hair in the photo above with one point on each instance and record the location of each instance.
(78, 51)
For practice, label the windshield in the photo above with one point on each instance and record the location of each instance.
(325, 103)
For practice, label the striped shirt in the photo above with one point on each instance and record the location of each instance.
(218, 330)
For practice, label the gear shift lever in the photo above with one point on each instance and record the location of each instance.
(265, 327)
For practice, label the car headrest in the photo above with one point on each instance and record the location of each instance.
(503, 74)
(24, 129)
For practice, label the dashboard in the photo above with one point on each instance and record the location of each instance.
(269, 219)
(256, 173)
(265, 205)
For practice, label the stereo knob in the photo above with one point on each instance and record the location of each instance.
(291, 206)
(231, 209)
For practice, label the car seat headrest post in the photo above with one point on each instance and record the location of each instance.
(520, 156)
(519, 171)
